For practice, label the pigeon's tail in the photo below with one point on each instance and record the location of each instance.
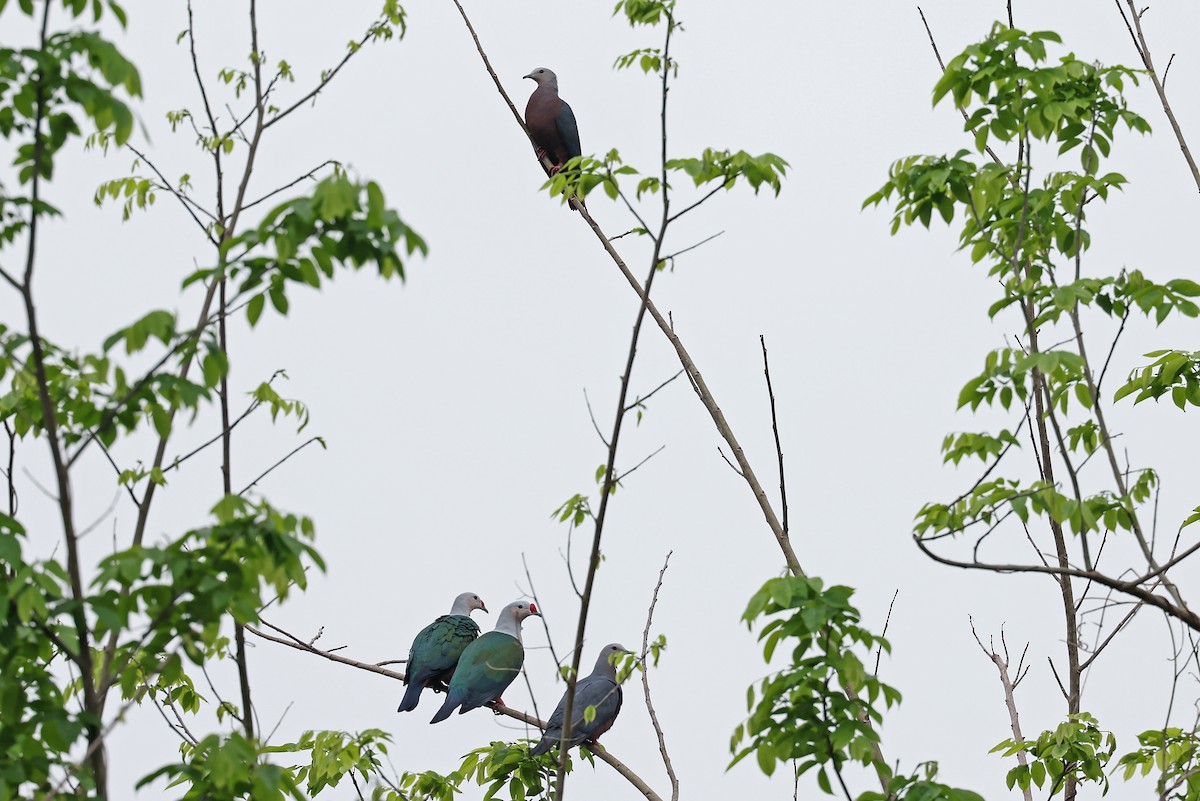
(447, 708)
(411, 696)
(542, 747)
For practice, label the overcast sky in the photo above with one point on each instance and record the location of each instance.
(453, 405)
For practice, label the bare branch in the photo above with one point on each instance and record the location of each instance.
(294, 642)
(325, 79)
(1014, 719)
(641, 399)
(545, 625)
(292, 183)
(189, 205)
(1143, 49)
(783, 504)
(592, 417)
(622, 476)
(689, 248)
(942, 65)
(662, 743)
(1131, 588)
(270, 469)
(887, 622)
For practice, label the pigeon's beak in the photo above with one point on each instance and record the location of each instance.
(530, 75)
(483, 606)
(533, 610)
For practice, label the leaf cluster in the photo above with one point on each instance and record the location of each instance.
(187, 586)
(721, 168)
(76, 72)
(341, 223)
(39, 729)
(1075, 749)
(509, 766)
(803, 712)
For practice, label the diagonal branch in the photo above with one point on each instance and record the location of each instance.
(1139, 42)
(325, 78)
(270, 469)
(685, 358)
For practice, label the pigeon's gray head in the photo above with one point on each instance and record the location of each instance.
(467, 601)
(606, 662)
(543, 76)
(517, 611)
(522, 609)
(510, 617)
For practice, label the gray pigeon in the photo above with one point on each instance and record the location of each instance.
(599, 690)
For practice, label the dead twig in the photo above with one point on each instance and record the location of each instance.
(1009, 684)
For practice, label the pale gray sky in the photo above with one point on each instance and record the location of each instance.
(453, 404)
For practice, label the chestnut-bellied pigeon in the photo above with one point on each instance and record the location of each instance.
(599, 690)
(436, 649)
(551, 122)
(488, 665)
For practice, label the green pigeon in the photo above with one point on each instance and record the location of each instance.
(600, 691)
(489, 664)
(436, 649)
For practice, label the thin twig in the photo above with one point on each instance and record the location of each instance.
(291, 183)
(689, 248)
(592, 417)
(326, 77)
(887, 622)
(942, 65)
(545, 625)
(188, 204)
(783, 504)
(270, 469)
(662, 743)
(621, 477)
(641, 399)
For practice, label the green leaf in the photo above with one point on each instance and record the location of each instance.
(254, 309)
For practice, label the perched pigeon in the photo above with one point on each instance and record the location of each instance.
(436, 649)
(599, 690)
(489, 664)
(551, 121)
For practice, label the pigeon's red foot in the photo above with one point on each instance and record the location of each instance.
(541, 153)
(555, 169)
